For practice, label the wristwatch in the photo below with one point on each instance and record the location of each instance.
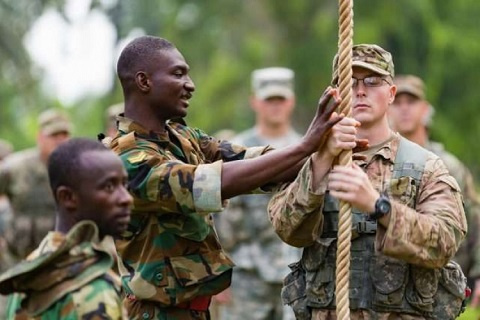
(382, 207)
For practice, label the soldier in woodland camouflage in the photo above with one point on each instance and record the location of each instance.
(69, 275)
(411, 115)
(407, 215)
(171, 261)
(244, 228)
(24, 180)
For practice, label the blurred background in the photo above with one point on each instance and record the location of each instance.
(62, 53)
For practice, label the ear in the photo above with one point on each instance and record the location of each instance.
(66, 198)
(393, 92)
(142, 81)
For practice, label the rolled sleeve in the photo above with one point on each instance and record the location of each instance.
(207, 196)
(295, 211)
(254, 152)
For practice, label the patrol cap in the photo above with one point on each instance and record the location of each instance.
(5, 149)
(54, 121)
(368, 56)
(410, 84)
(273, 82)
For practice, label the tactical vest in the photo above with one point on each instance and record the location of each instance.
(377, 282)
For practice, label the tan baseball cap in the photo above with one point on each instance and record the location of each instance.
(410, 84)
(273, 82)
(368, 56)
(54, 121)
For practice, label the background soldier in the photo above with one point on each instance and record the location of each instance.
(69, 276)
(24, 180)
(261, 258)
(407, 214)
(411, 115)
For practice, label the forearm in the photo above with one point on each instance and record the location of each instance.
(295, 212)
(289, 174)
(428, 240)
(242, 176)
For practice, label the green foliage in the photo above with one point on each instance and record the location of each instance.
(224, 41)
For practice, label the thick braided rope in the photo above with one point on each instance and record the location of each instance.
(345, 43)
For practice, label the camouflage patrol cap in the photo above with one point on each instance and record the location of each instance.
(368, 56)
(54, 121)
(410, 84)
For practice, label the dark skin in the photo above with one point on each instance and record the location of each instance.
(162, 91)
(98, 193)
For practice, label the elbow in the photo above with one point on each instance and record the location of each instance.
(295, 240)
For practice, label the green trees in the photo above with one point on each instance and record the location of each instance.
(224, 41)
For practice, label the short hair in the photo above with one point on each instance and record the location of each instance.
(136, 55)
(64, 167)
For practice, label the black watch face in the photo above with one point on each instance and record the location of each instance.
(384, 207)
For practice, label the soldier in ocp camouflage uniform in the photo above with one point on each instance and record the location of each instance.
(24, 180)
(407, 215)
(171, 260)
(244, 228)
(411, 116)
(69, 275)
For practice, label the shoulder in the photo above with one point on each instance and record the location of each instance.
(21, 159)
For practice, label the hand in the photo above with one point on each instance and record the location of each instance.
(343, 137)
(352, 185)
(324, 120)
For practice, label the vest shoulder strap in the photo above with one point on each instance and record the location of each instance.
(410, 160)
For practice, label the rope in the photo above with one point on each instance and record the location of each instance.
(345, 43)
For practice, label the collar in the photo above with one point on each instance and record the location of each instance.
(126, 125)
(386, 150)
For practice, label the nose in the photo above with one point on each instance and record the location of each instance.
(189, 85)
(359, 89)
(125, 198)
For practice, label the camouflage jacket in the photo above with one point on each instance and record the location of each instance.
(67, 277)
(427, 236)
(244, 228)
(24, 180)
(468, 255)
(170, 253)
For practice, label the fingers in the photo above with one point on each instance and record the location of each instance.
(328, 102)
(361, 145)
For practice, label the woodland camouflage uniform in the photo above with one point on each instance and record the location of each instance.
(171, 260)
(67, 277)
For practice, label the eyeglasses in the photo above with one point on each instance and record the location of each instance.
(372, 81)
